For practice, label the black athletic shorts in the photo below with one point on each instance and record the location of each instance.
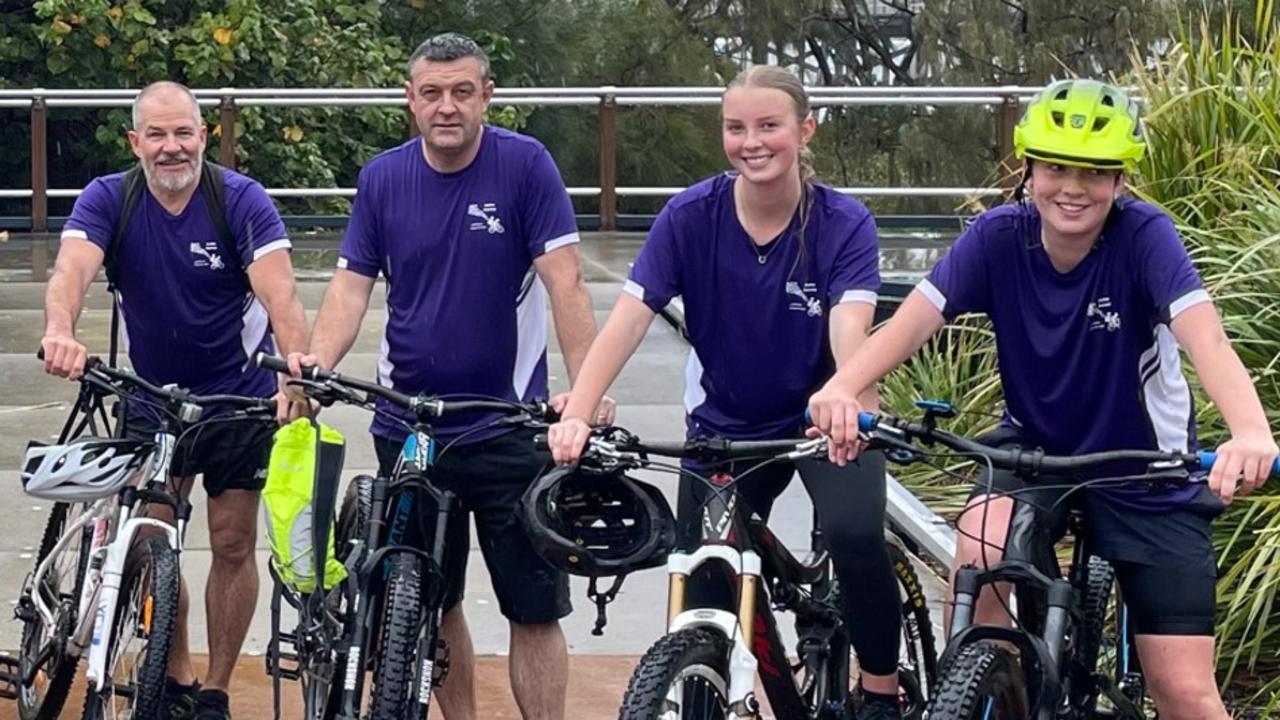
(1164, 560)
(489, 477)
(230, 455)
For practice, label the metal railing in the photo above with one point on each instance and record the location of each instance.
(1006, 100)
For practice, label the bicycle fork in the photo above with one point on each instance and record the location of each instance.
(109, 594)
(739, 629)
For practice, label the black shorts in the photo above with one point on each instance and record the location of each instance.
(230, 455)
(489, 478)
(1164, 561)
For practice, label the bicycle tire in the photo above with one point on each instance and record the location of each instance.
(393, 672)
(689, 653)
(150, 575)
(353, 515)
(55, 681)
(981, 682)
(917, 627)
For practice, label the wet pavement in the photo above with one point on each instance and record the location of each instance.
(649, 391)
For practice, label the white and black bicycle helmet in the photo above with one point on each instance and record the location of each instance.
(83, 469)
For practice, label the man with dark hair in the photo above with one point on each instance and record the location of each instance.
(473, 230)
(201, 289)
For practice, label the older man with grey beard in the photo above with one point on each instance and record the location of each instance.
(199, 294)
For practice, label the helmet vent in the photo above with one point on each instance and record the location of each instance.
(1057, 118)
(1062, 94)
(1108, 101)
(1099, 123)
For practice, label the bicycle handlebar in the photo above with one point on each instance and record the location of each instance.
(111, 377)
(706, 449)
(1033, 461)
(424, 406)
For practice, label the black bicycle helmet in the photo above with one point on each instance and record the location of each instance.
(592, 523)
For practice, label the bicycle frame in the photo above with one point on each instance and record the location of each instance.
(101, 588)
(756, 647)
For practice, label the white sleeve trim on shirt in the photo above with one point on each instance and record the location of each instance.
(73, 233)
(281, 244)
(933, 294)
(559, 242)
(1195, 297)
(633, 288)
(859, 296)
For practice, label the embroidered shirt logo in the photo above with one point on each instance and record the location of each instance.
(1102, 317)
(811, 306)
(207, 256)
(486, 213)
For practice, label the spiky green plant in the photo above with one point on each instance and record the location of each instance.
(1213, 122)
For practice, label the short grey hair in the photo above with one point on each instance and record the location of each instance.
(159, 86)
(447, 47)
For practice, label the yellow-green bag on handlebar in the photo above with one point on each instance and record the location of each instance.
(300, 464)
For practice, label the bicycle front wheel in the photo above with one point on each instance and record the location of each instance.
(981, 682)
(918, 656)
(684, 676)
(400, 618)
(44, 657)
(141, 635)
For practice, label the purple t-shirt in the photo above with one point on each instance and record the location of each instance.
(1086, 357)
(760, 333)
(190, 316)
(466, 314)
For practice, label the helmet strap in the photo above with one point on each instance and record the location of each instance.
(602, 600)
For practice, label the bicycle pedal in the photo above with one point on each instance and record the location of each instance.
(9, 677)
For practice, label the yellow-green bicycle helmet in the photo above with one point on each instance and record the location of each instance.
(1084, 123)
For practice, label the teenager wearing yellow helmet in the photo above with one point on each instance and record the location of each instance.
(1090, 294)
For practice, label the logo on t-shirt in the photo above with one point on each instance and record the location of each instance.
(1102, 316)
(487, 213)
(812, 306)
(207, 256)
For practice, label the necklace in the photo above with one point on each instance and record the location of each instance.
(761, 257)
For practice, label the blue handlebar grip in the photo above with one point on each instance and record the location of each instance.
(1207, 459)
(866, 420)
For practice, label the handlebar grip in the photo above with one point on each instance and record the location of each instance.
(540, 443)
(866, 421)
(1207, 458)
(40, 353)
(277, 364)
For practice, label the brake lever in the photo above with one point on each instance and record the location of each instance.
(896, 450)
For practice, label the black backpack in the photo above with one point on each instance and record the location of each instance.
(213, 187)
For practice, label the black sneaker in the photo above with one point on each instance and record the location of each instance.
(880, 707)
(212, 705)
(180, 700)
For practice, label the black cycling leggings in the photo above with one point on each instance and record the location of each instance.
(850, 507)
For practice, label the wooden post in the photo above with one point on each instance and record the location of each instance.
(1006, 118)
(39, 166)
(227, 125)
(608, 163)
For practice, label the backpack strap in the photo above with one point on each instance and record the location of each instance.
(213, 188)
(134, 182)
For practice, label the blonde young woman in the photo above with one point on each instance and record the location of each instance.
(779, 276)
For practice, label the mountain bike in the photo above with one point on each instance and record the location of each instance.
(386, 614)
(707, 663)
(1075, 654)
(106, 582)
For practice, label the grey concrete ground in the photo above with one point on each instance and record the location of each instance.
(649, 391)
